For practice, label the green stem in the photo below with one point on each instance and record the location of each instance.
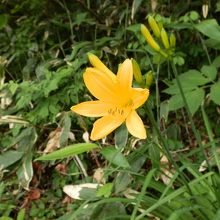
(157, 94)
(142, 193)
(205, 48)
(210, 135)
(166, 148)
(195, 131)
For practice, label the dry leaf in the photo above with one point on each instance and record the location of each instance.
(167, 170)
(98, 176)
(54, 141)
(205, 10)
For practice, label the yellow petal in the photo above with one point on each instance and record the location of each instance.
(98, 64)
(139, 97)
(135, 125)
(92, 108)
(125, 75)
(100, 85)
(104, 126)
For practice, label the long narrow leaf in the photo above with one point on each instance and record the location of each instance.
(68, 151)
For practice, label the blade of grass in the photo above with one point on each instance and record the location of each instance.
(143, 190)
(210, 135)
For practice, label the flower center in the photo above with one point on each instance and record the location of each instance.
(121, 111)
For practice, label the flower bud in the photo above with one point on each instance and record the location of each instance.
(149, 38)
(97, 63)
(164, 38)
(172, 40)
(137, 72)
(154, 26)
(149, 79)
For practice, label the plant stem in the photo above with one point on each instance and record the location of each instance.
(166, 148)
(210, 135)
(195, 131)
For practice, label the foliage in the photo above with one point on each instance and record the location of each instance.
(173, 174)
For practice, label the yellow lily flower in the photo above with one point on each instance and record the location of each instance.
(117, 100)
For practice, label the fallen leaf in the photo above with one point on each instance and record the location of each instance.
(54, 141)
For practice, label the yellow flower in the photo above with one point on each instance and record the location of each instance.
(117, 100)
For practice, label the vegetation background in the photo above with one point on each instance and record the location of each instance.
(174, 174)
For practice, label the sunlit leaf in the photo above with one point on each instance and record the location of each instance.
(68, 151)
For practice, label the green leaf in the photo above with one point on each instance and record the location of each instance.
(121, 182)
(71, 150)
(105, 190)
(175, 102)
(115, 157)
(3, 20)
(194, 99)
(154, 154)
(5, 218)
(216, 62)
(9, 157)
(212, 43)
(215, 93)
(209, 71)
(135, 5)
(189, 81)
(66, 124)
(113, 211)
(21, 215)
(209, 28)
(121, 136)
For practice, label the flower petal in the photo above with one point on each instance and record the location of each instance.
(100, 85)
(139, 96)
(92, 108)
(98, 64)
(135, 125)
(104, 126)
(125, 75)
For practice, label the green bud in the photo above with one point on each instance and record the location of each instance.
(154, 26)
(172, 40)
(164, 38)
(149, 78)
(137, 72)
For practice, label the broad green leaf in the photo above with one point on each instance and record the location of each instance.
(9, 157)
(216, 62)
(121, 136)
(175, 102)
(68, 151)
(105, 190)
(194, 99)
(189, 81)
(113, 211)
(209, 28)
(115, 157)
(212, 43)
(215, 93)
(209, 71)
(193, 77)
(121, 182)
